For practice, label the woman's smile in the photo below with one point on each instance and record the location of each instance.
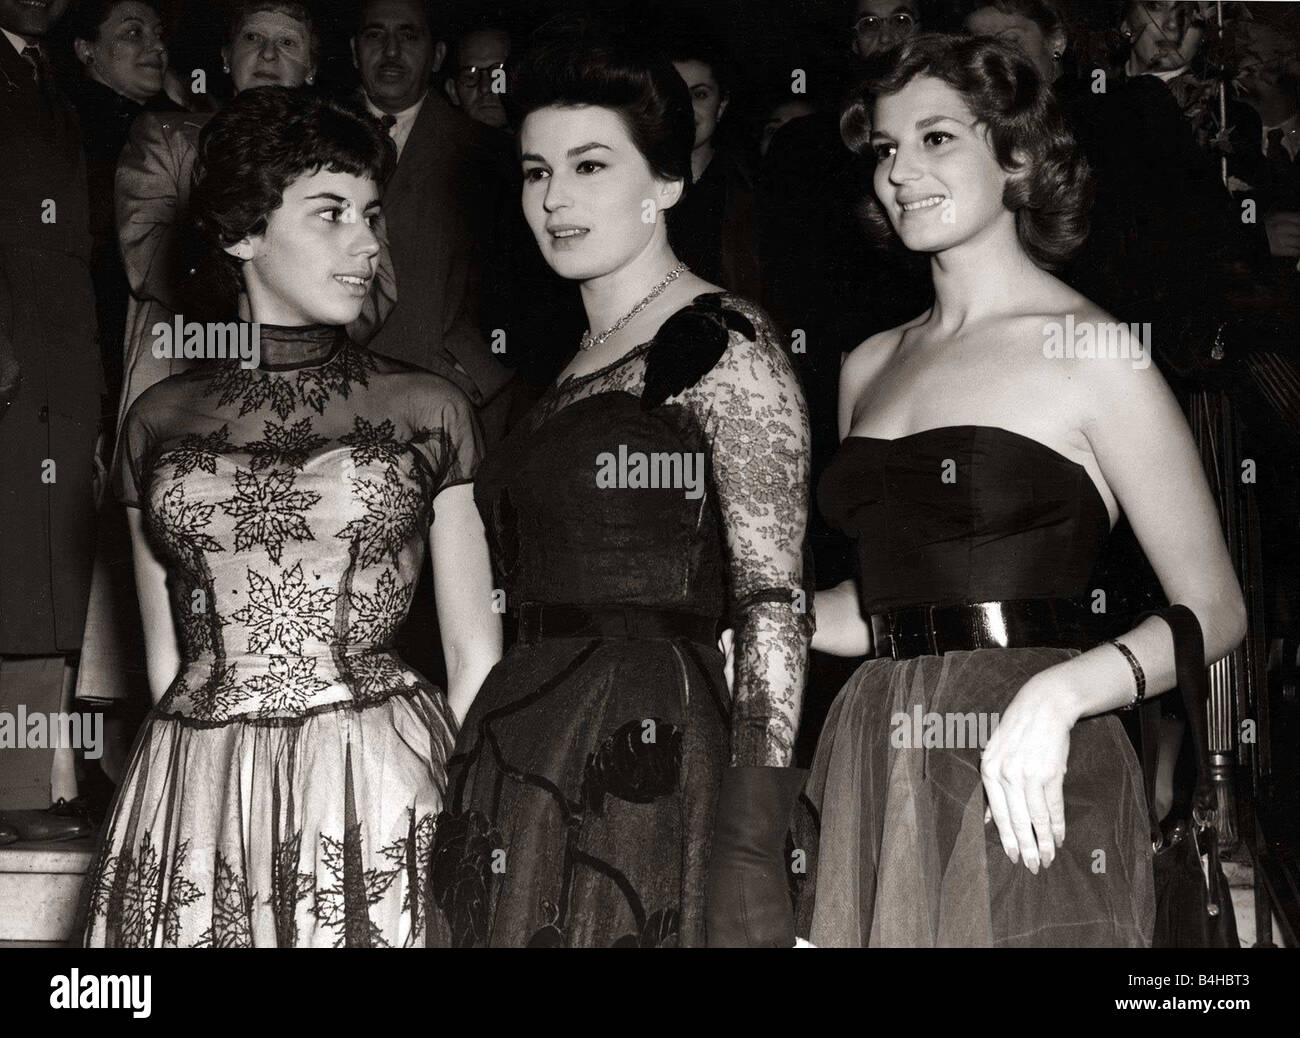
(916, 205)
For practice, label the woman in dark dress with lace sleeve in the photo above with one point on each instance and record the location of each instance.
(656, 494)
(988, 447)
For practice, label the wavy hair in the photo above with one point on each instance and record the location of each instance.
(1026, 128)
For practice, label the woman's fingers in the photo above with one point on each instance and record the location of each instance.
(998, 808)
(1056, 808)
(1021, 824)
(1041, 816)
(726, 645)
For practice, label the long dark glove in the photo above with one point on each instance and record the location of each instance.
(748, 899)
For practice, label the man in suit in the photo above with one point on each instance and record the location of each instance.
(51, 381)
(1268, 79)
(438, 206)
(476, 73)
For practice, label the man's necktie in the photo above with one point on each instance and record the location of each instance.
(33, 55)
(42, 75)
(389, 121)
(1278, 162)
(1274, 151)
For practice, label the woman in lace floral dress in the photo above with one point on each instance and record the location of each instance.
(284, 788)
(658, 490)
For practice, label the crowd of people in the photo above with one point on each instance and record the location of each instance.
(386, 658)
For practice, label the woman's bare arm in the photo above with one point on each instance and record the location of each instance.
(1151, 463)
(162, 651)
(462, 580)
(842, 630)
(1147, 456)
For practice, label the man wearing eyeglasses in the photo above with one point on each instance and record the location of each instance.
(476, 75)
(880, 24)
(438, 203)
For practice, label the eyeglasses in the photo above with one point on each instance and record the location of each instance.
(872, 24)
(469, 76)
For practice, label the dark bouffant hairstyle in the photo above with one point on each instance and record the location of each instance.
(247, 155)
(1005, 93)
(576, 61)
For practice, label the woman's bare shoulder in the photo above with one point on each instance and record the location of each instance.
(869, 355)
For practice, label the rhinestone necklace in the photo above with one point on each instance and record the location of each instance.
(589, 341)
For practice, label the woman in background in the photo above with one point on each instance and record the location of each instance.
(120, 47)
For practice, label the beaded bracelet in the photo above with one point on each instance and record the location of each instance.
(1139, 677)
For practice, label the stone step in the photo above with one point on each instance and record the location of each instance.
(39, 887)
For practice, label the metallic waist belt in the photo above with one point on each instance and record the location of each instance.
(538, 620)
(1019, 623)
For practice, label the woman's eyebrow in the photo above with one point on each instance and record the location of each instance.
(930, 120)
(581, 149)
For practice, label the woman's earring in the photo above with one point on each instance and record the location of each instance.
(225, 69)
(1056, 55)
(310, 79)
(1127, 33)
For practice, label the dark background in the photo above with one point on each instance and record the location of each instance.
(766, 39)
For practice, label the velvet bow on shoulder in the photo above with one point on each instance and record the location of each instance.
(688, 346)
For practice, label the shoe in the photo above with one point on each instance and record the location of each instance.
(8, 834)
(57, 822)
(77, 807)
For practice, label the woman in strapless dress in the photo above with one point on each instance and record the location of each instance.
(972, 782)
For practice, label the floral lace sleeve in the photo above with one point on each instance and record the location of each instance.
(446, 431)
(756, 422)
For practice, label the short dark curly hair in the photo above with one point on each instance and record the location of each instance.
(247, 155)
(1006, 94)
(579, 61)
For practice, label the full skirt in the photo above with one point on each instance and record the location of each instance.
(311, 831)
(581, 798)
(904, 856)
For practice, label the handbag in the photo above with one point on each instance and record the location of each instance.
(1193, 905)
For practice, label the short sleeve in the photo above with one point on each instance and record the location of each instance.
(756, 422)
(129, 456)
(448, 434)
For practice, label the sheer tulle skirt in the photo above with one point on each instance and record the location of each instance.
(310, 831)
(904, 857)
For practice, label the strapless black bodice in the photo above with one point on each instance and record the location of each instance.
(558, 536)
(964, 514)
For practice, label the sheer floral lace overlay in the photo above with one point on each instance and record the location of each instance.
(750, 411)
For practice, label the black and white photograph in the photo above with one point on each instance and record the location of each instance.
(650, 474)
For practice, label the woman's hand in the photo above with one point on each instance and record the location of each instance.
(727, 646)
(1023, 768)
